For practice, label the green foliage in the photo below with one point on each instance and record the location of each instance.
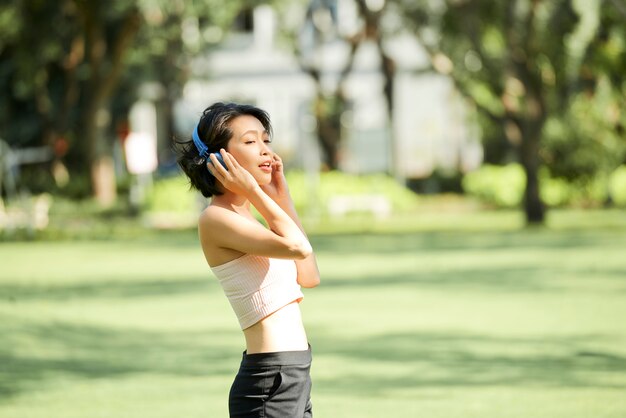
(48, 81)
(503, 186)
(507, 57)
(584, 142)
(500, 186)
(617, 186)
(336, 183)
(171, 195)
(557, 192)
(554, 192)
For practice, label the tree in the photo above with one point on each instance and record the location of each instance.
(174, 34)
(513, 60)
(308, 39)
(32, 69)
(67, 76)
(108, 34)
(320, 30)
(62, 86)
(587, 142)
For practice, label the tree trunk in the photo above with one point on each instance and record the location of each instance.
(328, 114)
(102, 174)
(106, 61)
(531, 130)
(328, 133)
(388, 70)
(529, 156)
(525, 107)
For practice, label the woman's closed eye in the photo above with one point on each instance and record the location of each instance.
(252, 141)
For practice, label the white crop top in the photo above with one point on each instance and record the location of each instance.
(258, 286)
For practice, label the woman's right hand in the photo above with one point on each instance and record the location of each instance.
(236, 178)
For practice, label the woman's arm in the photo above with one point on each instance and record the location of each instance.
(226, 229)
(308, 272)
(278, 190)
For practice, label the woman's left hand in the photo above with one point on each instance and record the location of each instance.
(277, 189)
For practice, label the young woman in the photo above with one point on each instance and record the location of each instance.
(261, 269)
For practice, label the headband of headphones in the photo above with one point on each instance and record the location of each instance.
(203, 150)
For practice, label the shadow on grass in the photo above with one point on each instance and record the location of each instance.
(431, 360)
(30, 353)
(427, 360)
(435, 241)
(495, 279)
(511, 279)
(520, 279)
(108, 289)
(93, 352)
(491, 263)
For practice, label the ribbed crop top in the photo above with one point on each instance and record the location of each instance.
(258, 286)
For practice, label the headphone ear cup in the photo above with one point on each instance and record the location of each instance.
(220, 159)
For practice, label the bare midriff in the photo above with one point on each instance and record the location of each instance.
(280, 331)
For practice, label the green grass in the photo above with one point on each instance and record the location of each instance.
(454, 317)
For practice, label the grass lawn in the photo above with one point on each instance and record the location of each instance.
(467, 318)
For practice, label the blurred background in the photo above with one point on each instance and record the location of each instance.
(463, 158)
(513, 104)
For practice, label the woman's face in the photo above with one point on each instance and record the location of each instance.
(250, 145)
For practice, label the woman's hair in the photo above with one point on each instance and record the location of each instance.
(214, 131)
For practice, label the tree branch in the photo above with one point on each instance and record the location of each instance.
(122, 42)
(620, 6)
(458, 84)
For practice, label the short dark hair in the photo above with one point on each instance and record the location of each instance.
(214, 131)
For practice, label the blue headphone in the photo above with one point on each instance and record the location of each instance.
(202, 149)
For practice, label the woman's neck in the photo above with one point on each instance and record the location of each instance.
(236, 202)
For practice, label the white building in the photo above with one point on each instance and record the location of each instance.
(429, 129)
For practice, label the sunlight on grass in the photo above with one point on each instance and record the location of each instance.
(487, 320)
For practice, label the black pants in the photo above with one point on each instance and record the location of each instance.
(272, 385)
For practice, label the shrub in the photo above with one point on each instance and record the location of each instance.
(171, 195)
(334, 183)
(555, 192)
(617, 186)
(502, 186)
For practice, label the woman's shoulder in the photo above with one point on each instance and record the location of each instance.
(210, 214)
(220, 219)
(214, 224)
(213, 219)
(216, 214)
